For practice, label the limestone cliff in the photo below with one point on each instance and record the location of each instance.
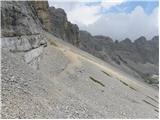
(55, 21)
(17, 18)
(42, 11)
(67, 78)
(23, 23)
(22, 31)
(62, 28)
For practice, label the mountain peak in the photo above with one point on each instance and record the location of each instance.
(141, 39)
(127, 40)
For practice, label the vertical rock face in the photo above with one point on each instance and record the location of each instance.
(18, 19)
(55, 21)
(22, 25)
(62, 28)
(42, 11)
(22, 31)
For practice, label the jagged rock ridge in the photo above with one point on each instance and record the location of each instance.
(62, 28)
(45, 77)
(140, 56)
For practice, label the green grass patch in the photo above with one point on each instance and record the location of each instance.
(96, 81)
(106, 73)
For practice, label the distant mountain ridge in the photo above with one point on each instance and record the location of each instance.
(126, 53)
(47, 77)
(140, 56)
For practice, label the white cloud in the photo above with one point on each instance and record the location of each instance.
(122, 25)
(108, 4)
(84, 14)
(79, 12)
(116, 25)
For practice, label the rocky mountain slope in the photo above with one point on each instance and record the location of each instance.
(46, 77)
(62, 28)
(138, 58)
(55, 21)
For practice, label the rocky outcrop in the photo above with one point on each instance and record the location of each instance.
(88, 42)
(62, 28)
(42, 11)
(55, 21)
(23, 23)
(18, 19)
(148, 49)
(22, 31)
(67, 78)
(23, 43)
(140, 56)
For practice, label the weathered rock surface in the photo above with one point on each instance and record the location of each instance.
(22, 31)
(64, 88)
(65, 79)
(42, 11)
(62, 28)
(140, 56)
(23, 43)
(17, 19)
(148, 50)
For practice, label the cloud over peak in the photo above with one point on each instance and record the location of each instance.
(99, 18)
(84, 14)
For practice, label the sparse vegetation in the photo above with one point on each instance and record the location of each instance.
(124, 83)
(96, 81)
(151, 80)
(128, 85)
(132, 88)
(156, 110)
(149, 103)
(152, 99)
(53, 43)
(148, 79)
(106, 73)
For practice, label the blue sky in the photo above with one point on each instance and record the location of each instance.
(115, 18)
(129, 6)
